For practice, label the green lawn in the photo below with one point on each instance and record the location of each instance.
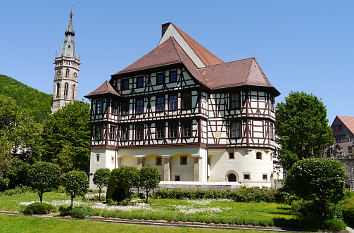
(206, 211)
(22, 224)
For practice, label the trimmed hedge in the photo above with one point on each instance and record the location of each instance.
(39, 208)
(242, 194)
(83, 212)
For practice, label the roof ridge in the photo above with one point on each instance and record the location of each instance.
(263, 74)
(249, 70)
(225, 63)
(195, 46)
(174, 45)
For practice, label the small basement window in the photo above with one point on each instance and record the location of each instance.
(246, 176)
(258, 155)
(264, 177)
(177, 178)
(231, 155)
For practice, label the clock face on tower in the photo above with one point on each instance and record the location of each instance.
(58, 73)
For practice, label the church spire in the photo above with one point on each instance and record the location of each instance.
(68, 47)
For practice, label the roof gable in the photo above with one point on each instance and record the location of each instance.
(105, 88)
(164, 54)
(200, 56)
(347, 121)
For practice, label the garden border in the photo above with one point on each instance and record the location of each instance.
(171, 224)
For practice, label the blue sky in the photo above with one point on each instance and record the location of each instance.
(300, 45)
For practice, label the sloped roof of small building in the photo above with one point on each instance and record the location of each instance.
(348, 122)
(105, 88)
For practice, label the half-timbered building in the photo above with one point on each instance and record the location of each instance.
(183, 110)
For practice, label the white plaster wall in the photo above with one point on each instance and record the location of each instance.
(186, 172)
(128, 161)
(107, 160)
(244, 162)
(151, 161)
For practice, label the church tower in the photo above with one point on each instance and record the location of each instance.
(67, 67)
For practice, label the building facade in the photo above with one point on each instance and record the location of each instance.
(66, 71)
(343, 132)
(185, 111)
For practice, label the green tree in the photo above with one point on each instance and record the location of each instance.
(35, 102)
(19, 137)
(76, 183)
(44, 177)
(149, 179)
(319, 180)
(301, 123)
(66, 137)
(101, 179)
(121, 181)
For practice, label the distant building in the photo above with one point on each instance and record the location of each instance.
(343, 132)
(183, 110)
(66, 74)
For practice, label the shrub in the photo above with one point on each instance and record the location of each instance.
(10, 192)
(101, 179)
(64, 211)
(242, 194)
(39, 208)
(319, 179)
(44, 177)
(76, 184)
(83, 211)
(348, 210)
(4, 183)
(121, 181)
(149, 179)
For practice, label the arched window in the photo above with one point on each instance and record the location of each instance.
(259, 155)
(66, 87)
(74, 92)
(67, 73)
(58, 90)
(231, 176)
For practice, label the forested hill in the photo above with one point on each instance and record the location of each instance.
(36, 102)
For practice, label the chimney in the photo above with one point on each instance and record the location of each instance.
(164, 28)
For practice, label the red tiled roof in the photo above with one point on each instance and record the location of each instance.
(205, 55)
(216, 75)
(105, 88)
(348, 122)
(165, 54)
(236, 73)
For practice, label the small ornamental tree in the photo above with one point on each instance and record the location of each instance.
(149, 179)
(319, 180)
(44, 177)
(121, 181)
(101, 178)
(76, 183)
